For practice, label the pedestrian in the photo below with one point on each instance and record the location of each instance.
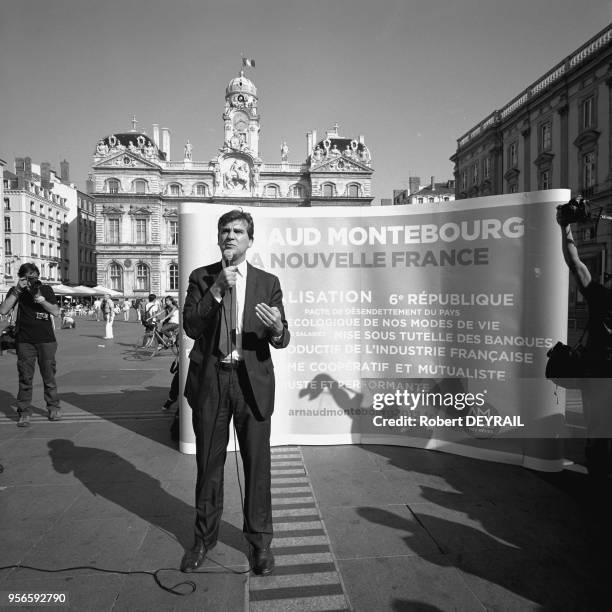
(150, 311)
(231, 375)
(108, 311)
(596, 386)
(126, 309)
(98, 308)
(35, 339)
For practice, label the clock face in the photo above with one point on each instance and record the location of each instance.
(240, 98)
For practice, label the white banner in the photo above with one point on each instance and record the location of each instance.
(419, 325)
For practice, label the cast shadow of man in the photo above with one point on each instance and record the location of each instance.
(108, 475)
(503, 534)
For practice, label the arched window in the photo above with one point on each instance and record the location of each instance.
(271, 191)
(175, 189)
(173, 277)
(139, 186)
(352, 191)
(297, 191)
(328, 190)
(142, 277)
(115, 274)
(113, 185)
(201, 189)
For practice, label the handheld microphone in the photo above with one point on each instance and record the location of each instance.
(228, 255)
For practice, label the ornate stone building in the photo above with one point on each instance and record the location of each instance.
(557, 133)
(137, 188)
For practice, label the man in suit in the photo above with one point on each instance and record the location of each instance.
(234, 312)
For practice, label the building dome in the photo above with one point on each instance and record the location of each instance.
(242, 85)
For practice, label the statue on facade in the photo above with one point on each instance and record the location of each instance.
(317, 154)
(284, 152)
(131, 146)
(237, 176)
(102, 149)
(188, 150)
(335, 151)
(149, 149)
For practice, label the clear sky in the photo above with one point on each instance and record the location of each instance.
(411, 75)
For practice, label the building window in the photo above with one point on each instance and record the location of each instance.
(8, 250)
(486, 168)
(33, 247)
(175, 189)
(113, 186)
(513, 155)
(545, 136)
(42, 228)
(589, 175)
(271, 191)
(328, 190)
(142, 277)
(201, 189)
(545, 179)
(7, 224)
(7, 204)
(113, 231)
(32, 226)
(297, 191)
(464, 180)
(140, 231)
(352, 191)
(475, 173)
(32, 207)
(587, 113)
(173, 277)
(116, 277)
(139, 186)
(420, 200)
(173, 232)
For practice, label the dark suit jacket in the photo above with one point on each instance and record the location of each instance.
(202, 319)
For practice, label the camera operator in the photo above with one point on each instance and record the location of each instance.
(596, 386)
(35, 339)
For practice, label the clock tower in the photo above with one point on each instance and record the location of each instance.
(241, 117)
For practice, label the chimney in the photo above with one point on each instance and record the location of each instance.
(156, 135)
(65, 172)
(361, 139)
(308, 143)
(166, 142)
(45, 175)
(433, 183)
(19, 170)
(414, 184)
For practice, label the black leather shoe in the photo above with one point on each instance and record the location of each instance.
(262, 561)
(194, 557)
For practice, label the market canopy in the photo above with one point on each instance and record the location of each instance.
(99, 290)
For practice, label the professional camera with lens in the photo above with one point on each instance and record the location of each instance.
(575, 211)
(33, 284)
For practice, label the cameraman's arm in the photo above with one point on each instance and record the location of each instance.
(46, 299)
(12, 297)
(9, 301)
(570, 254)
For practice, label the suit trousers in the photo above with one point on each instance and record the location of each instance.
(229, 396)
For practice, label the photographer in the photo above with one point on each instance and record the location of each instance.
(596, 385)
(35, 339)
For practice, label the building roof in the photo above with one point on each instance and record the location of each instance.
(241, 84)
(138, 139)
(438, 189)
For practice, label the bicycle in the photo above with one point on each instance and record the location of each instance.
(154, 342)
